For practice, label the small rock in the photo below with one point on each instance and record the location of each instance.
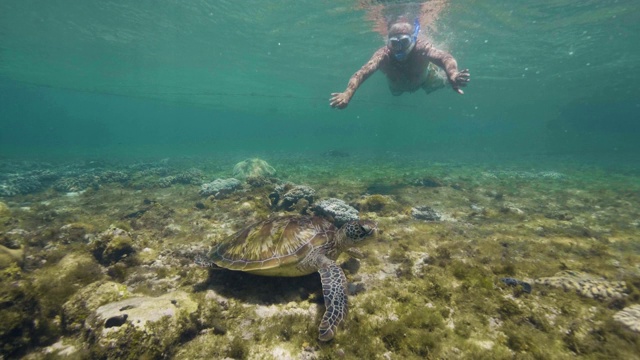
(88, 299)
(112, 246)
(629, 316)
(120, 329)
(10, 256)
(425, 213)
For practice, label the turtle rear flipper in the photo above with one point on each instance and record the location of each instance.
(334, 289)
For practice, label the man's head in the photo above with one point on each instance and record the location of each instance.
(402, 38)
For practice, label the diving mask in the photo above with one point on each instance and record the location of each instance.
(402, 44)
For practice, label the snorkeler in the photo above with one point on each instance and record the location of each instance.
(409, 63)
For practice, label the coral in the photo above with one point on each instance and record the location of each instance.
(629, 316)
(166, 181)
(191, 176)
(20, 185)
(337, 209)
(586, 285)
(220, 187)
(253, 168)
(75, 184)
(8, 190)
(111, 176)
(286, 196)
(25, 182)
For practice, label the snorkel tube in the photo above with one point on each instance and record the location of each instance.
(416, 31)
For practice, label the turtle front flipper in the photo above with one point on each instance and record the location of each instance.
(334, 289)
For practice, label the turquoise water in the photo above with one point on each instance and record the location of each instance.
(509, 215)
(195, 77)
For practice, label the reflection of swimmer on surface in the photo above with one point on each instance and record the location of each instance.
(409, 63)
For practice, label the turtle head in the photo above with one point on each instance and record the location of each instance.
(355, 231)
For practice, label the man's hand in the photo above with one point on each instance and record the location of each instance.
(459, 80)
(339, 100)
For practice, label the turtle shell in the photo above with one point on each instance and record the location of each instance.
(274, 247)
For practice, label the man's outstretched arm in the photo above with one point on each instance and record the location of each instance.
(443, 59)
(341, 100)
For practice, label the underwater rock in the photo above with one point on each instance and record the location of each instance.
(58, 350)
(425, 213)
(381, 204)
(75, 233)
(428, 182)
(220, 187)
(87, 300)
(141, 327)
(55, 285)
(286, 196)
(515, 282)
(4, 210)
(337, 209)
(74, 269)
(586, 285)
(629, 316)
(509, 208)
(14, 239)
(559, 215)
(253, 168)
(19, 314)
(10, 256)
(112, 245)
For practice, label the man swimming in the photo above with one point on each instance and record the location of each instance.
(408, 62)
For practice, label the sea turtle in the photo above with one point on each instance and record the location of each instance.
(297, 245)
